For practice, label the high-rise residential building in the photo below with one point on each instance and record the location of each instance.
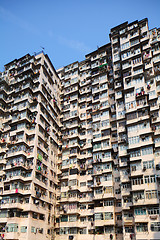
(110, 171)
(80, 153)
(29, 131)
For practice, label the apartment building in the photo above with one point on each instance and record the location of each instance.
(110, 159)
(29, 130)
(80, 146)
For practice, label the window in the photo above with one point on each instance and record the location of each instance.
(34, 215)
(123, 147)
(125, 45)
(117, 191)
(98, 216)
(104, 94)
(137, 60)
(130, 105)
(72, 218)
(3, 214)
(133, 140)
(108, 215)
(108, 203)
(72, 230)
(147, 150)
(105, 113)
(144, 125)
(138, 195)
(145, 138)
(156, 140)
(126, 185)
(151, 194)
(132, 116)
(157, 77)
(105, 143)
(137, 71)
(126, 64)
(129, 94)
(23, 229)
(12, 227)
(135, 167)
(82, 184)
(129, 230)
(64, 218)
(119, 217)
(156, 58)
(140, 211)
(63, 230)
(108, 177)
(24, 214)
(83, 231)
(107, 166)
(98, 191)
(152, 93)
(104, 104)
(150, 179)
(109, 229)
(153, 210)
(108, 190)
(134, 42)
(33, 230)
(137, 181)
(116, 56)
(117, 179)
(82, 206)
(83, 219)
(127, 199)
(73, 182)
(142, 227)
(125, 55)
(135, 153)
(155, 227)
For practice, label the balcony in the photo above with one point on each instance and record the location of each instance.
(155, 39)
(125, 191)
(127, 205)
(86, 212)
(11, 205)
(104, 222)
(128, 85)
(141, 218)
(17, 165)
(69, 224)
(124, 178)
(123, 152)
(118, 95)
(138, 201)
(128, 220)
(144, 38)
(12, 235)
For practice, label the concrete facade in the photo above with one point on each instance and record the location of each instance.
(80, 146)
(29, 130)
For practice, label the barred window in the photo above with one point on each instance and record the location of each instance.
(153, 210)
(151, 194)
(155, 227)
(142, 227)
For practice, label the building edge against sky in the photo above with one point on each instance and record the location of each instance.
(80, 153)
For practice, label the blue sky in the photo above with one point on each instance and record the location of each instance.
(67, 29)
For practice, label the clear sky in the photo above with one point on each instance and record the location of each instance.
(67, 29)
